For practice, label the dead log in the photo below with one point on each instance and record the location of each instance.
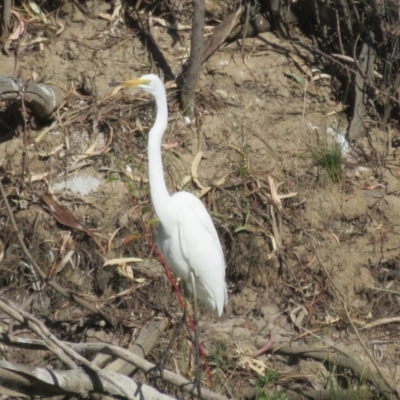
(16, 379)
(148, 337)
(40, 381)
(42, 99)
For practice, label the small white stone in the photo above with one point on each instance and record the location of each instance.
(223, 63)
(221, 92)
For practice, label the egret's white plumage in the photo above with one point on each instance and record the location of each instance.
(186, 237)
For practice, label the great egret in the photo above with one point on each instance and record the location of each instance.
(187, 237)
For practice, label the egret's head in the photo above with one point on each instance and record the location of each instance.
(150, 83)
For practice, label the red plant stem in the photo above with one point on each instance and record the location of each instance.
(170, 277)
(264, 349)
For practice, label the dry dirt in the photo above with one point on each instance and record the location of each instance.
(290, 267)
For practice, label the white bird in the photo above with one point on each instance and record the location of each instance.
(187, 237)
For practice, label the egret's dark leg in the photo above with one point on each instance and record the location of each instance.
(159, 368)
(197, 381)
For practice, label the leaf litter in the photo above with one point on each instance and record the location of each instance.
(270, 275)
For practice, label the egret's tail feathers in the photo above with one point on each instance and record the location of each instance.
(213, 301)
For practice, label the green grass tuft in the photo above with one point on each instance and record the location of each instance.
(330, 157)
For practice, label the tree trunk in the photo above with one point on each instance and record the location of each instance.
(5, 18)
(189, 76)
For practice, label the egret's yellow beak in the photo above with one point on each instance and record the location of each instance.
(135, 82)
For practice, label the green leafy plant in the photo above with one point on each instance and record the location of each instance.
(264, 385)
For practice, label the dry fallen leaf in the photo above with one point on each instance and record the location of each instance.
(63, 216)
(20, 29)
(66, 218)
(247, 361)
(126, 271)
(116, 261)
(1, 250)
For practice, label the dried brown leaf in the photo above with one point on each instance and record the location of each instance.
(64, 216)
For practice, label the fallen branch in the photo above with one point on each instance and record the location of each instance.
(148, 337)
(64, 353)
(145, 366)
(45, 382)
(115, 351)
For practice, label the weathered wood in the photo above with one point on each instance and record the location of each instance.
(41, 98)
(189, 76)
(146, 340)
(144, 365)
(5, 18)
(363, 79)
(42, 381)
(23, 381)
(144, 343)
(221, 32)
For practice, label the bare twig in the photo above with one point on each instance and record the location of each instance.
(383, 384)
(54, 285)
(379, 322)
(312, 48)
(12, 311)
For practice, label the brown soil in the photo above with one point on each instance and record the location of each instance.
(258, 127)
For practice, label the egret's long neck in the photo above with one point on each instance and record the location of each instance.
(160, 197)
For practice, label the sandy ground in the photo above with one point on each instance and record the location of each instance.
(290, 265)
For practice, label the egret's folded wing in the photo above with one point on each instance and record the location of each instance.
(205, 258)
